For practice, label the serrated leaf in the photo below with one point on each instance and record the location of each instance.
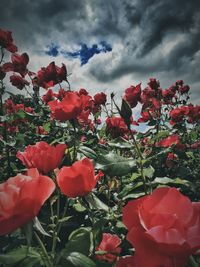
(115, 165)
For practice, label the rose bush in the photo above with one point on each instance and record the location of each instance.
(126, 175)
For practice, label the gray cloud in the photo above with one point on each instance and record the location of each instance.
(149, 37)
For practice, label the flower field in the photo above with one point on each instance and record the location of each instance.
(81, 185)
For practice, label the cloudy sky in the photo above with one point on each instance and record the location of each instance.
(110, 45)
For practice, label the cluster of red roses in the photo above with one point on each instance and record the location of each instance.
(161, 233)
(22, 190)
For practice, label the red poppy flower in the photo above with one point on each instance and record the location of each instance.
(42, 156)
(69, 108)
(21, 198)
(110, 245)
(163, 227)
(6, 41)
(78, 179)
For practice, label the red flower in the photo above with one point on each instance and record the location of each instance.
(19, 64)
(42, 156)
(145, 117)
(69, 108)
(169, 141)
(109, 244)
(100, 98)
(6, 41)
(184, 89)
(171, 160)
(164, 228)
(132, 95)
(128, 261)
(18, 81)
(21, 198)
(83, 91)
(78, 179)
(177, 114)
(51, 75)
(116, 126)
(49, 96)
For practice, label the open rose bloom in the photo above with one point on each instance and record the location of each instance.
(164, 228)
(21, 198)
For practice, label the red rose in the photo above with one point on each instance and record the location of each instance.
(49, 96)
(100, 98)
(177, 114)
(51, 75)
(19, 64)
(6, 41)
(184, 89)
(110, 244)
(171, 160)
(169, 141)
(83, 91)
(116, 126)
(78, 179)
(21, 198)
(69, 108)
(132, 95)
(18, 81)
(42, 156)
(163, 227)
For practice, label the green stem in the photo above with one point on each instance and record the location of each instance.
(140, 162)
(55, 233)
(47, 261)
(192, 262)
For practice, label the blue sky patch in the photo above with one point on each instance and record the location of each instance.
(85, 52)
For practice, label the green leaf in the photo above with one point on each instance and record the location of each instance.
(76, 259)
(80, 240)
(149, 172)
(37, 225)
(47, 126)
(95, 203)
(18, 255)
(126, 112)
(166, 180)
(88, 152)
(115, 165)
(78, 207)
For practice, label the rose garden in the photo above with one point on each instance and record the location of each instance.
(81, 185)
